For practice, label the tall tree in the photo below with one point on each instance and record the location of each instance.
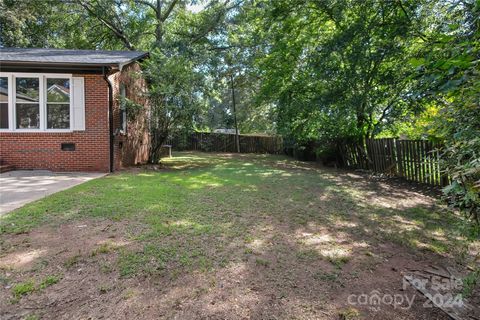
(335, 68)
(179, 40)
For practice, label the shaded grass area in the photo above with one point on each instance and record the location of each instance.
(201, 204)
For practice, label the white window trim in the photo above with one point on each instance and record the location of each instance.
(42, 100)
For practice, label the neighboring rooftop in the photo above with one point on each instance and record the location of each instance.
(67, 57)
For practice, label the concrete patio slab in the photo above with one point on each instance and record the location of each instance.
(18, 188)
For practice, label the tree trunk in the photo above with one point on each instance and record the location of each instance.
(158, 139)
(159, 27)
(237, 138)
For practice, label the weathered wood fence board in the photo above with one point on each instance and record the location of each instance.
(221, 142)
(414, 160)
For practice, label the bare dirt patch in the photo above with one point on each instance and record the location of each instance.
(75, 253)
(273, 280)
(249, 237)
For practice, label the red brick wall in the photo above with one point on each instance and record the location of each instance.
(41, 150)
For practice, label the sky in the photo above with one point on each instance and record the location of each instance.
(195, 8)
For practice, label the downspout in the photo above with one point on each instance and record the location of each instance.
(110, 116)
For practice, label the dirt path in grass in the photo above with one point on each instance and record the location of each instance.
(230, 237)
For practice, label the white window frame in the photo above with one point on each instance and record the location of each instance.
(42, 100)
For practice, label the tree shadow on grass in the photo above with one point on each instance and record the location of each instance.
(302, 240)
(255, 237)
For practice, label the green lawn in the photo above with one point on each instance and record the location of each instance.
(272, 223)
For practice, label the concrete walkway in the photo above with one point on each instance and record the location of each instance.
(18, 188)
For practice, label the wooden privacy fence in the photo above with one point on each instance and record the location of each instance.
(414, 160)
(222, 142)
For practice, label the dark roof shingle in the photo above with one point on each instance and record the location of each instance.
(67, 56)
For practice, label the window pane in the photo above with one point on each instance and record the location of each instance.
(3, 115)
(27, 108)
(3, 103)
(58, 116)
(27, 90)
(58, 90)
(28, 116)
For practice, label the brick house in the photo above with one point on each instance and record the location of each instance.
(62, 110)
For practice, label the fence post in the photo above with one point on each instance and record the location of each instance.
(399, 159)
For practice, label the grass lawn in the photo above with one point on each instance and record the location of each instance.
(226, 237)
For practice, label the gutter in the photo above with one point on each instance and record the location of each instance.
(110, 116)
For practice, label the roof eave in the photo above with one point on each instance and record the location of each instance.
(136, 59)
(70, 65)
(53, 67)
(76, 64)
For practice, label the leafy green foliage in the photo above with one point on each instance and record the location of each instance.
(174, 95)
(318, 71)
(461, 159)
(449, 76)
(23, 288)
(470, 281)
(52, 23)
(49, 281)
(335, 69)
(27, 287)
